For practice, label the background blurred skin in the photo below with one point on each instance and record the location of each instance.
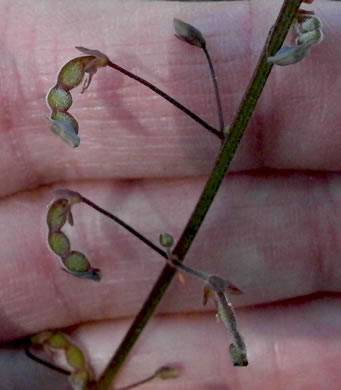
(274, 229)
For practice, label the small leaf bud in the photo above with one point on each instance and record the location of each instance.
(167, 373)
(166, 240)
(188, 33)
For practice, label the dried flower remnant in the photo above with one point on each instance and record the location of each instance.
(61, 123)
(75, 263)
(217, 288)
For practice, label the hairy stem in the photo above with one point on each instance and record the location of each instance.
(227, 151)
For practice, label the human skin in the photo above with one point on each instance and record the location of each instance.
(273, 230)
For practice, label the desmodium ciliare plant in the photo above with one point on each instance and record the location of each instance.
(308, 33)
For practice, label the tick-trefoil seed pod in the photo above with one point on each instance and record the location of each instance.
(59, 99)
(59, 212)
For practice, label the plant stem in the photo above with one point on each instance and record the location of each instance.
(125, 226)
(216, 91)
(167, 97)
(227, 151)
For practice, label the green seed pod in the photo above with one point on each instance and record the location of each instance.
(75, 357)
(76, 262)
(72, 72)
(59, 99)
(58, 340)
(59, 243)
(57, 214)
(60, 115)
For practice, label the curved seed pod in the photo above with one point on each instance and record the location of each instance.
(59, 99)
(65, 131)
(59, 243)
(57, 214)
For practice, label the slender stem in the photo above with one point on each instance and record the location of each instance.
(216, 90)
(44, 362)
(228, 149)
(125, 226)
(141, 382)
(167, 97)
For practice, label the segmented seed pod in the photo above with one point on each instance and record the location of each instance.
(59, 99)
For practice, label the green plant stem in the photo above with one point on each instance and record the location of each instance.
(227, 151)
(167, 97)
(131, 230)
